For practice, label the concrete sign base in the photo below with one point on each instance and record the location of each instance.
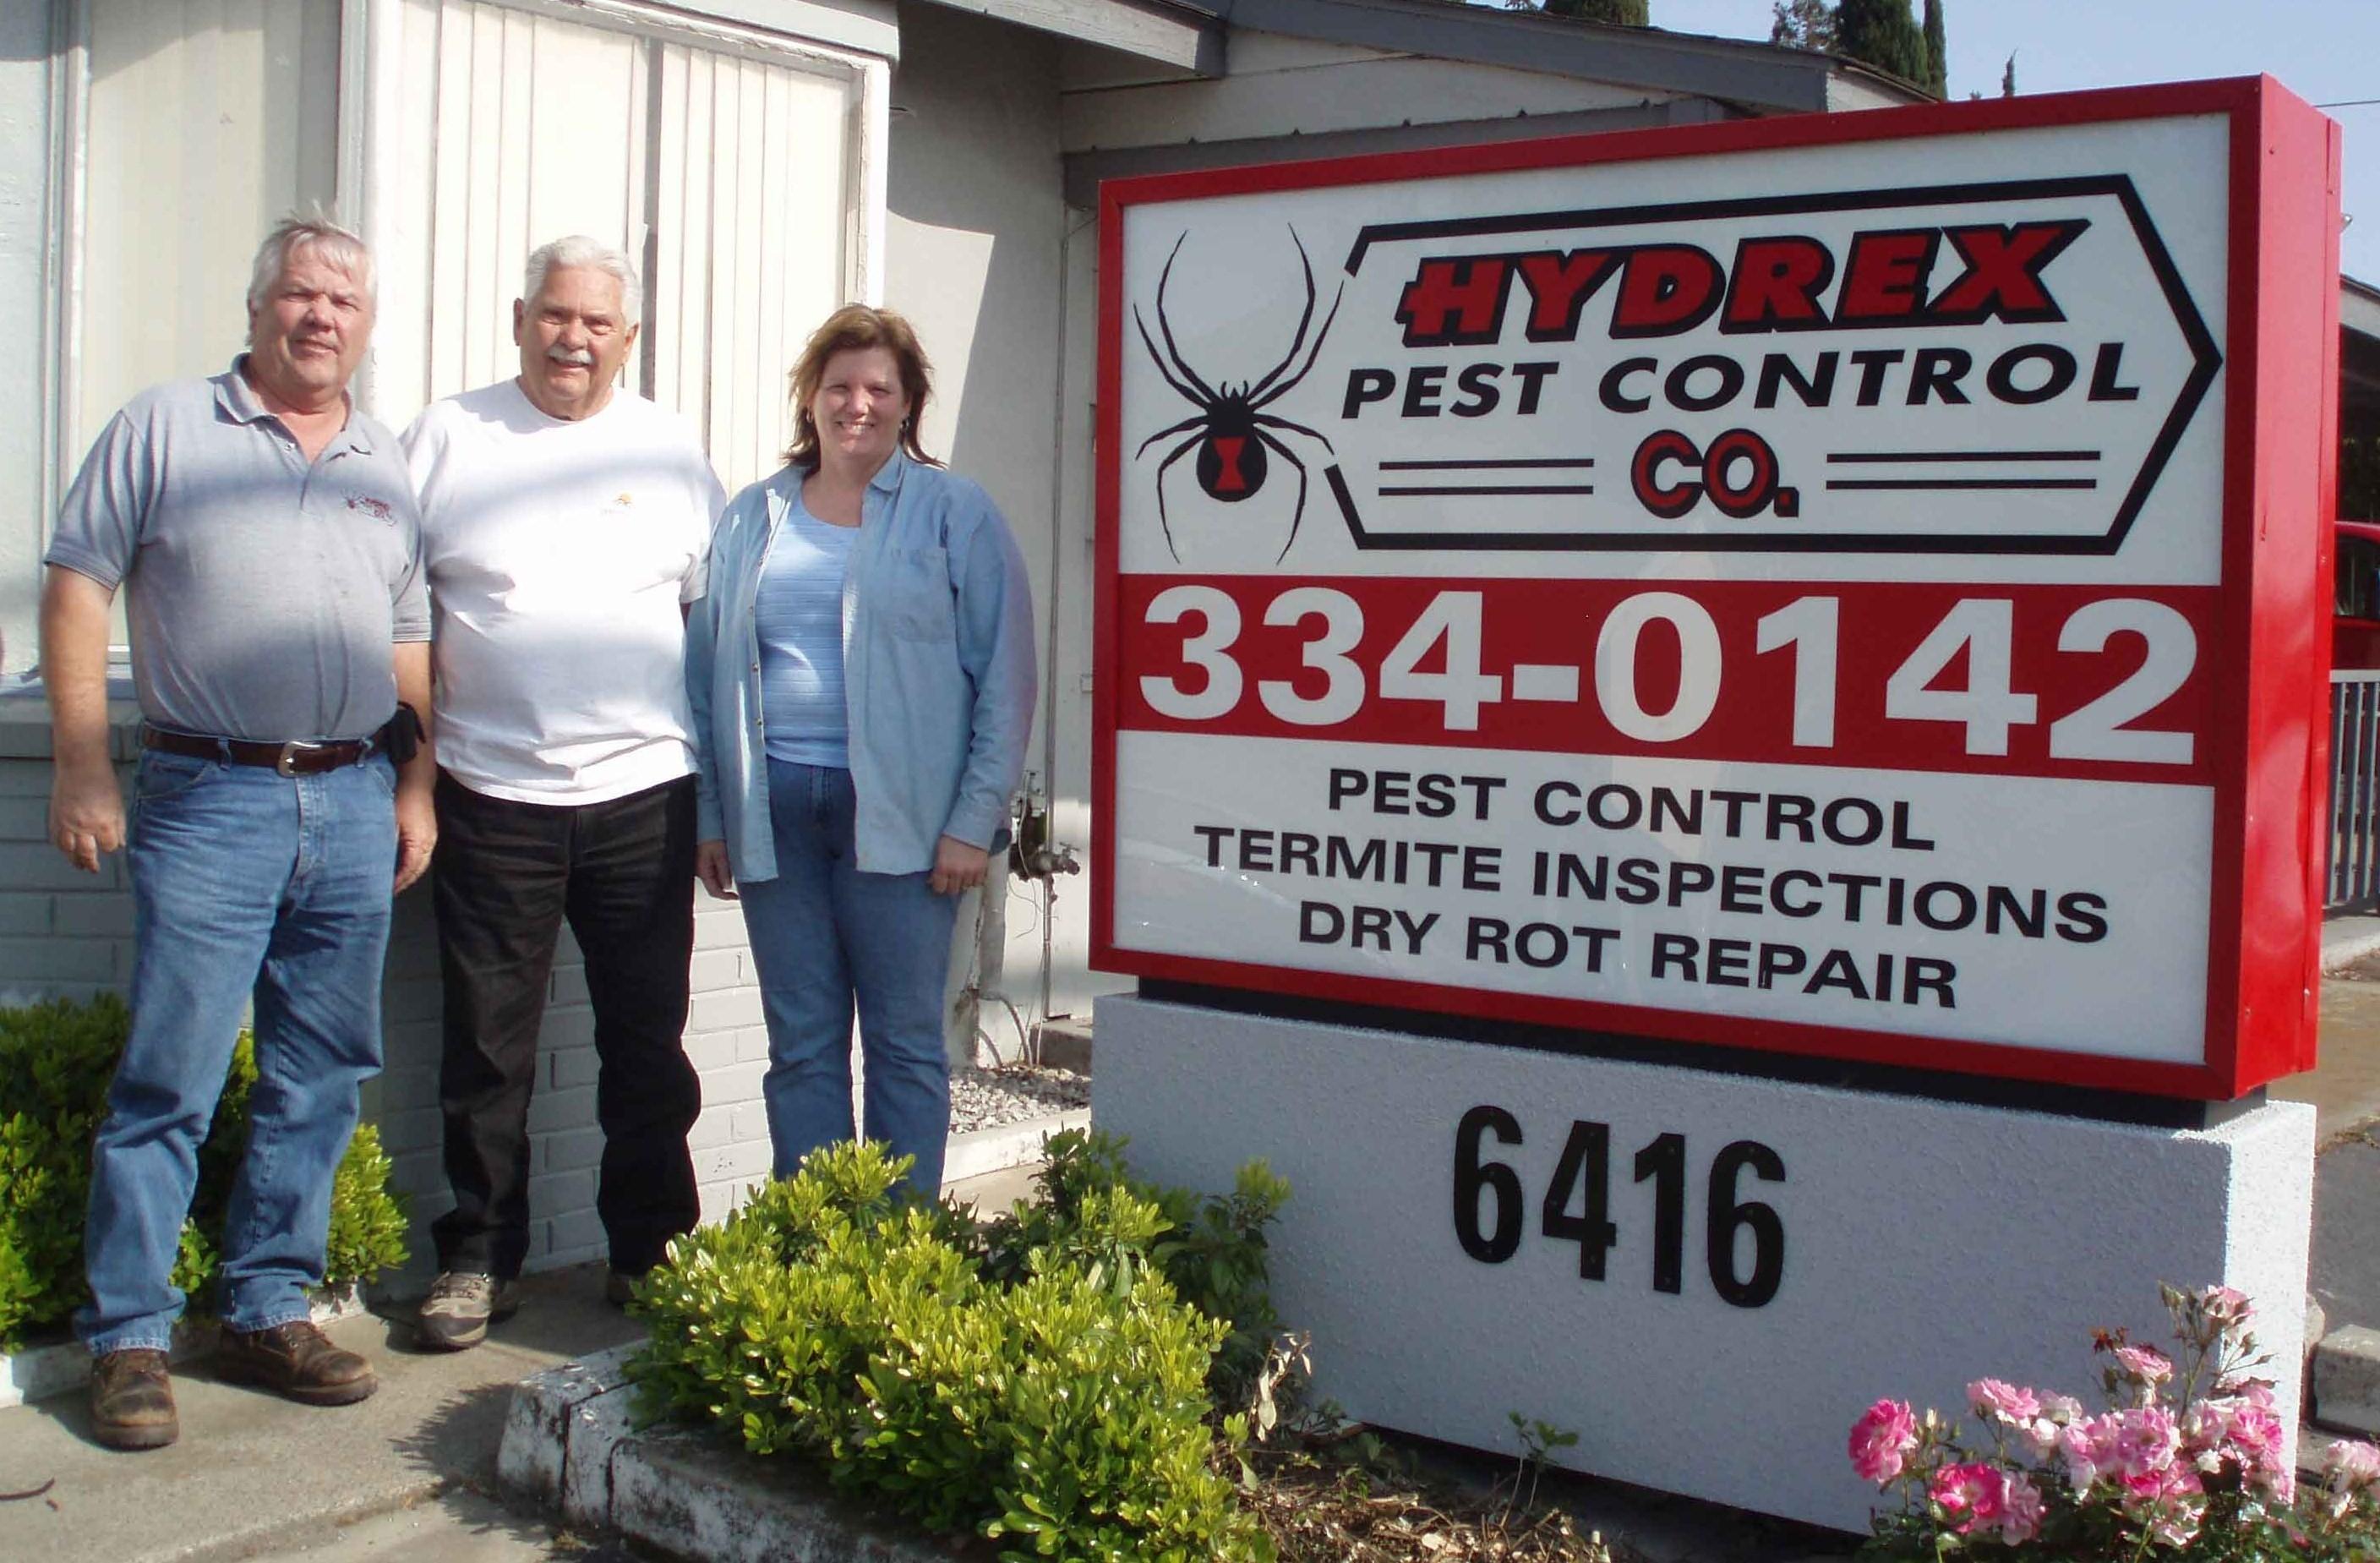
(1707, 1275)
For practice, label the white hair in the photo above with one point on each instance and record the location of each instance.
(577, 250)
(322, 234)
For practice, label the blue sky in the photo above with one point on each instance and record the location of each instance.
(2324, 51)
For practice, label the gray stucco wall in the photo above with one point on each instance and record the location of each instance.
(971, 247)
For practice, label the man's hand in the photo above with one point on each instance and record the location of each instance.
(957, 866)
(417, 833)
(711, 867)
(86, 812)
(416, 779)
(86, 805)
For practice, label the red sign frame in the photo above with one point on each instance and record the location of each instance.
(2270, 724)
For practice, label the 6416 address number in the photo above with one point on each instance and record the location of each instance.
(1490, 1228)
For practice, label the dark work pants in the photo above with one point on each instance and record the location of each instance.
(506, 875)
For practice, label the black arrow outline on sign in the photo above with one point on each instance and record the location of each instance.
(2207, 362)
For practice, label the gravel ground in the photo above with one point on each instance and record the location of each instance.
(1013, 1093)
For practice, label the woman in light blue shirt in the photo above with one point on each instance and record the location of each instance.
(861, 676)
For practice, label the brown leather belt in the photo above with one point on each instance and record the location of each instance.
(289, 759)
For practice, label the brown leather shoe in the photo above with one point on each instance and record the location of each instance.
(296, 1360)
(132, 1400)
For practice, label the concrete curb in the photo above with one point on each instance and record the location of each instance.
(44, 1371)
(979, 1150)
(1066, 1044)
(2345, 940)
(2347, 1381)
(570, 1442)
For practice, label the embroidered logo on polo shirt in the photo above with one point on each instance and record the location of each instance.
(379, 509)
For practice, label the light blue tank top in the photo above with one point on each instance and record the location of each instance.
(798, 617)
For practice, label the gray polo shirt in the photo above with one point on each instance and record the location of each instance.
(263, 592)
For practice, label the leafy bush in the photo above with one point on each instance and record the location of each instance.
(2189, 1461)
(367, 1219)
(1040, 1378)
(55, 1061)
(1211, 1248)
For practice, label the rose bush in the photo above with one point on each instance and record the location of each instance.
(2189, 1461)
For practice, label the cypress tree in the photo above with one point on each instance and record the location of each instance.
(1803, 24)
(1617, 13)
(1882, 33)
(1937, 51)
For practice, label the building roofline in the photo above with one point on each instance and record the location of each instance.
(1188, 34)
(1759, 76)
(2358, 306)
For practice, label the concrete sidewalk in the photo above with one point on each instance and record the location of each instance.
(402, 1477)
(254, 1474)
(406, 1476)
(2344, 1087)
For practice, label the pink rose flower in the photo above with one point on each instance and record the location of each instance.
(2256, 1434)
(2167, 1502)
(2002, 1401)
(2171, 1482)
(2144, 1441)
(1881, 1440)
(2144, 1365)
(2019, 1510)
(2226, 1305)
(2206, 1434)
(1974, 1489)
(2257, 1392)
(2351, 1466)
(2040, 1435)
(2084, 1448)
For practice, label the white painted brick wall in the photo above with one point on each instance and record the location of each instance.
(62, 931)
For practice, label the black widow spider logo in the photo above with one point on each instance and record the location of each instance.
(1231, 430)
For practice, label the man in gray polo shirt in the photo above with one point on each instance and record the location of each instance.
(266, 536)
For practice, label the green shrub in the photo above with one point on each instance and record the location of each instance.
(1037, 1379)
(367, 1218)
(1212, 1248)
(55, 1060)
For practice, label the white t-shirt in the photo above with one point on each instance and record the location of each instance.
(557, 555)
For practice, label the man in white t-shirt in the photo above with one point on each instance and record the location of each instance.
(565, 525)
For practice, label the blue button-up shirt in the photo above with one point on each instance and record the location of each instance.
(938, 670)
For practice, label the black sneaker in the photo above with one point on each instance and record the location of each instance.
(460, 1307)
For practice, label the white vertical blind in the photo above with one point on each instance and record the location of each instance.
(207, 121)
(726, 169)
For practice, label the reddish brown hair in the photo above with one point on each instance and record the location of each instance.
(858, 327)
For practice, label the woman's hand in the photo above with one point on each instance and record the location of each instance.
(957, 866)
(711, 867)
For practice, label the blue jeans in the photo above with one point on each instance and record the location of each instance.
(242, 880)
(824, 935)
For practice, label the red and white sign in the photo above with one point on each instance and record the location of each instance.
(1849, 585)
